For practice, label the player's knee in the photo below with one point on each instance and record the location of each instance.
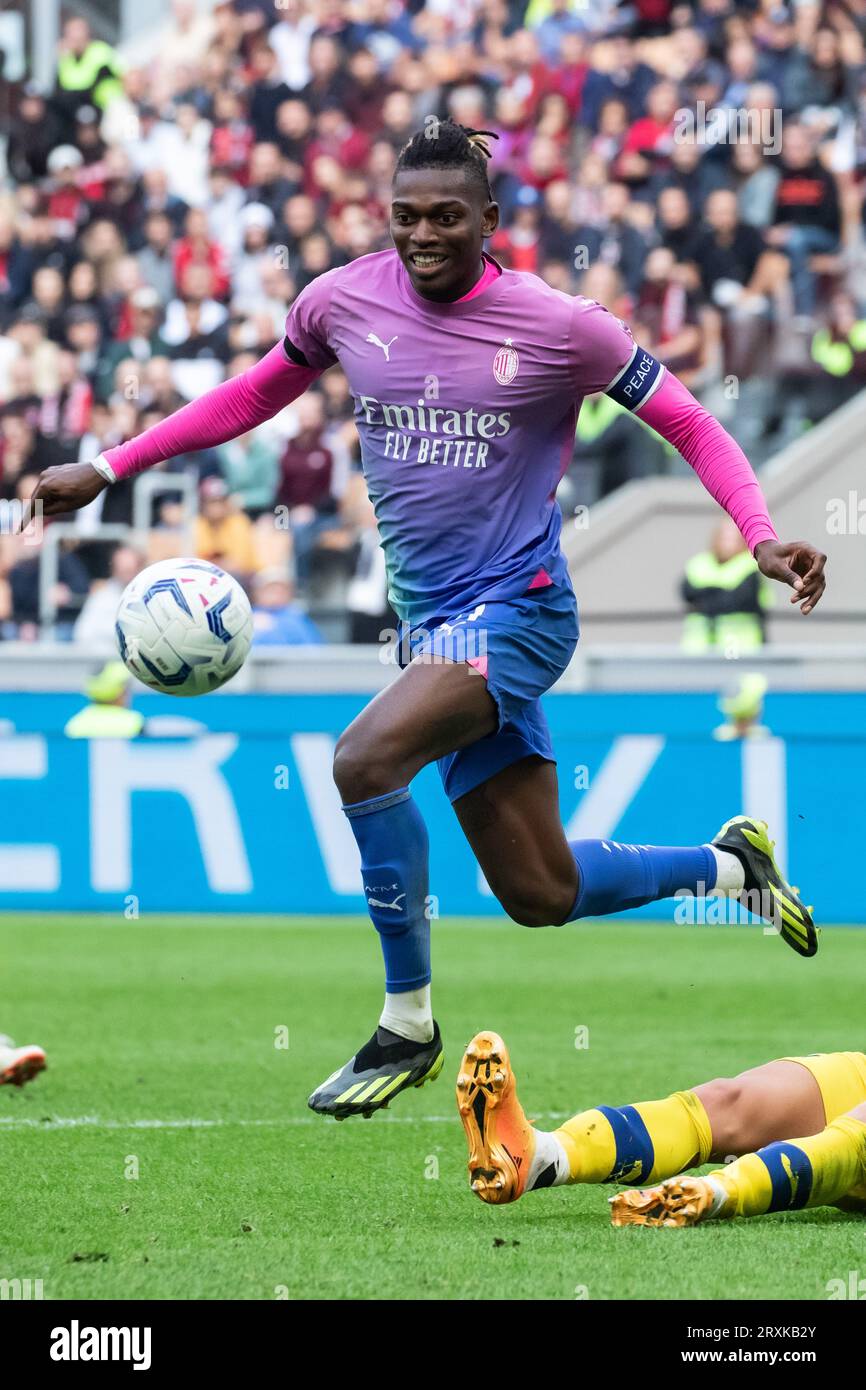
(724, 1102)
(361, 768)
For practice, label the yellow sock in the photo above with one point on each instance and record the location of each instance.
(646, 1142)
(797, 1173)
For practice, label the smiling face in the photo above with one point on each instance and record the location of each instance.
(439, 219)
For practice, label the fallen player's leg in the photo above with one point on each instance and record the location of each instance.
(825, 1169)
(647, 1141)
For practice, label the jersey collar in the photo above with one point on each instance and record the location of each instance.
(456, 308)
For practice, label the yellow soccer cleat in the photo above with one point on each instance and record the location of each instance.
(680, 1201)
(767, 892)
(501, 1140)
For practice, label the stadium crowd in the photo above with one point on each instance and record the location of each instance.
(695, 166)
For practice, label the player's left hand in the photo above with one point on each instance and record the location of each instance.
(796, 563)
(64, 487)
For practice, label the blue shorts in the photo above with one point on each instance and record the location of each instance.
(521, 646)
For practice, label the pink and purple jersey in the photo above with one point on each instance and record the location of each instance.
(466, 413)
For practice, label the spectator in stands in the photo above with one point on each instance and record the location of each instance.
(195, 248)
(65, 196)
(675, 224)
(156, 264)
(267, 94)
(807, 218)
(223, 534)
(304, 488)
(623, 77)
(143, 340)
(731, 257)
(256, 223)
(755, 181)
(34, 132)
(667, 318)
(232, 137)
(184, 40)
(613, 240)
(64, 413)
(89, 142)
(83, 326)
(278, 620)
(551, 20)
(649, 140)
(159, 388)
(15, 268)
(250, 466)
(268, 183)
(48, 293)
(195, 334)
(818, 77)
(66, 595)
(82, 290)
(290, 39)
(518, 245)
(159, 198)
(95, 622)
(23, 449)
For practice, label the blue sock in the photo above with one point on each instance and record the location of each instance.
(392, 838)
(614, 877)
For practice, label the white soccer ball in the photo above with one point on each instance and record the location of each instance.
(184, 627)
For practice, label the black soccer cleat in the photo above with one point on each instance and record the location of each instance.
(385, 1066)
(778, 903)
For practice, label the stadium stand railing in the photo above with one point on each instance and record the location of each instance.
(340, 668)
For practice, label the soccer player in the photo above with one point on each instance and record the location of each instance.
(467, 380)
(19, 1064)
(753, 1117)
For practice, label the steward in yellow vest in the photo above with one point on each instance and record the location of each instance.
(88, 70)
(727, 597)
(108, 715)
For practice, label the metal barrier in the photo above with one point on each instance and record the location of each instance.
(362, 669)
(49, 561)
(151, 485)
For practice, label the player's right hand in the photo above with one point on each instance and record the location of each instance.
(65, 488)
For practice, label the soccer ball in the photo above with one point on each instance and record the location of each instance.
(184, 627)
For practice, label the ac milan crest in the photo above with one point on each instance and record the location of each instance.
(505, 364)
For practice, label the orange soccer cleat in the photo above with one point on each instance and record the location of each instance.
(501, 1140)
(680, 1201)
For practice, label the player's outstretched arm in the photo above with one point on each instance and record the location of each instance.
(727, 475)
(224, 413)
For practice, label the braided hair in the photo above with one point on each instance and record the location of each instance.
(443, 144)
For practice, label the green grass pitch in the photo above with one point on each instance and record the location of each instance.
(168, 1153)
